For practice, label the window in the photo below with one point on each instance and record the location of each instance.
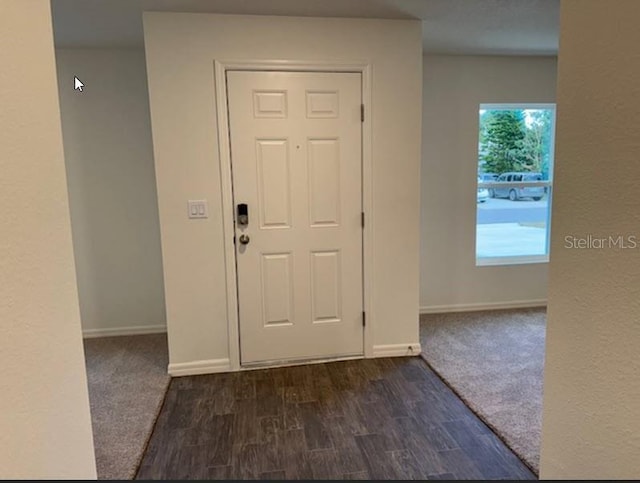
(515, 176)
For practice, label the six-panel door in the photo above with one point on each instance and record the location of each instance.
(296, 151)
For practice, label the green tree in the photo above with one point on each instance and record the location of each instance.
(536, 147)
(502, 134)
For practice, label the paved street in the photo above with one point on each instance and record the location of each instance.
(497, 210)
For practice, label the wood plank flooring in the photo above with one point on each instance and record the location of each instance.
(367, 419)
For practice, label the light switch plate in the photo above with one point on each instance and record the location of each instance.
(198, 209)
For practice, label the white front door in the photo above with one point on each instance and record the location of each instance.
(296, 153)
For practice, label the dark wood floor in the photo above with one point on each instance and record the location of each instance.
(365, 419)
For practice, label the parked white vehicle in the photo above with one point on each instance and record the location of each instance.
(483, 193)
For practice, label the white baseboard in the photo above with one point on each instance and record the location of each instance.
(195, 368)
(394, 350)
(514, 304)
(117, 331)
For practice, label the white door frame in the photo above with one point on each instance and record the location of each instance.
(224, 147)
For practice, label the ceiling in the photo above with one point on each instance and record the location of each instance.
(474, 27)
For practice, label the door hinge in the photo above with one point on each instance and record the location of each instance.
(361, 112)
(364, 318)
(362, 218)
(234, 239)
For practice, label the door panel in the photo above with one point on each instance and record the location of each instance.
(324, 182)
(297, 163)
(277, 289)
(274, 190)
(326, 278)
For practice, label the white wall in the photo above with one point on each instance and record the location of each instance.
(112, 192)
(180, 51)
(45, 427)
(454, 86)
(591, 411)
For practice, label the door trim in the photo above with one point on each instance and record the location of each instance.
(224, 151)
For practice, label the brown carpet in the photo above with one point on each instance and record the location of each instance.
(127, 383)
(494, 361)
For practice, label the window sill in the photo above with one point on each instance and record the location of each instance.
(523, 260)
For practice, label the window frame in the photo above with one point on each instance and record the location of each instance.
(548, 184)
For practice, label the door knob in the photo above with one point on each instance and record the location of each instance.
(244, 239)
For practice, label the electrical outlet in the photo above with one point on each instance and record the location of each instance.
(198, 209)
